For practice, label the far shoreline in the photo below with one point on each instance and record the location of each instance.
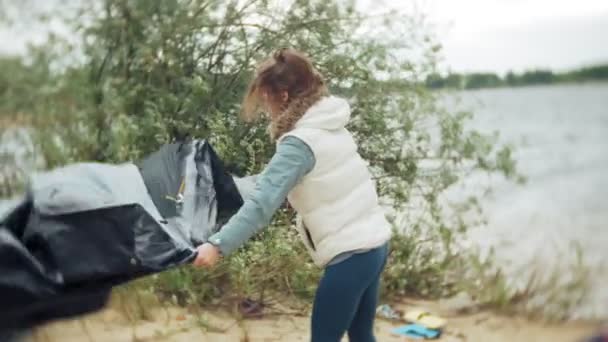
(526, 86)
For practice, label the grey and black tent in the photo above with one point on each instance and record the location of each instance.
(84, 228)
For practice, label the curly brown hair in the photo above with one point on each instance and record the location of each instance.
(287, 71)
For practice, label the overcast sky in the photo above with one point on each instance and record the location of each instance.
(500, 35)
(557, 44)
(487, 35)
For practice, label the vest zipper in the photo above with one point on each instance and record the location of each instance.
(312, 244)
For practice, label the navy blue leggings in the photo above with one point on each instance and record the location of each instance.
(347, 297)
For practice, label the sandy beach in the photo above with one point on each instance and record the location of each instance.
(180, 324)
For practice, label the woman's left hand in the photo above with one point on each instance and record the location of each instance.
(208, 255)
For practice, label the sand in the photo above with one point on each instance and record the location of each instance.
(179, 324)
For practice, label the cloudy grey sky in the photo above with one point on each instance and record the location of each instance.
(486, 35)
(502, 35)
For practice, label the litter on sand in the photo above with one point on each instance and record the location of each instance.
(423, 324)
(250, 308)
(425, 318)
(387, 312)
(416, 331)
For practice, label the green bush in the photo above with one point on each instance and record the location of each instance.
(145, 73)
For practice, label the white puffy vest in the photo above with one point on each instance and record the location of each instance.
(337, 204)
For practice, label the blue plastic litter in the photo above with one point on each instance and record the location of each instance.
(416, 331)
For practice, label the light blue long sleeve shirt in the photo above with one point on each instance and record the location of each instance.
(291, 162)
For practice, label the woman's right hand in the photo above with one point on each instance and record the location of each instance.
(208, 255)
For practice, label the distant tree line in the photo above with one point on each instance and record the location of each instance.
(512, 79)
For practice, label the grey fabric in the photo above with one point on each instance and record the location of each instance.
(189, 213)
(89, 186)
(190, 188)
(246, 185)
(92, 186)
(343, 256)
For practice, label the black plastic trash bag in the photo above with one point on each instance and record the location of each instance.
(87, 227)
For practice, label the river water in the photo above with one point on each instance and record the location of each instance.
(560, 134)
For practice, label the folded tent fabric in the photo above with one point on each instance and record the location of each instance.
(84, 228)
